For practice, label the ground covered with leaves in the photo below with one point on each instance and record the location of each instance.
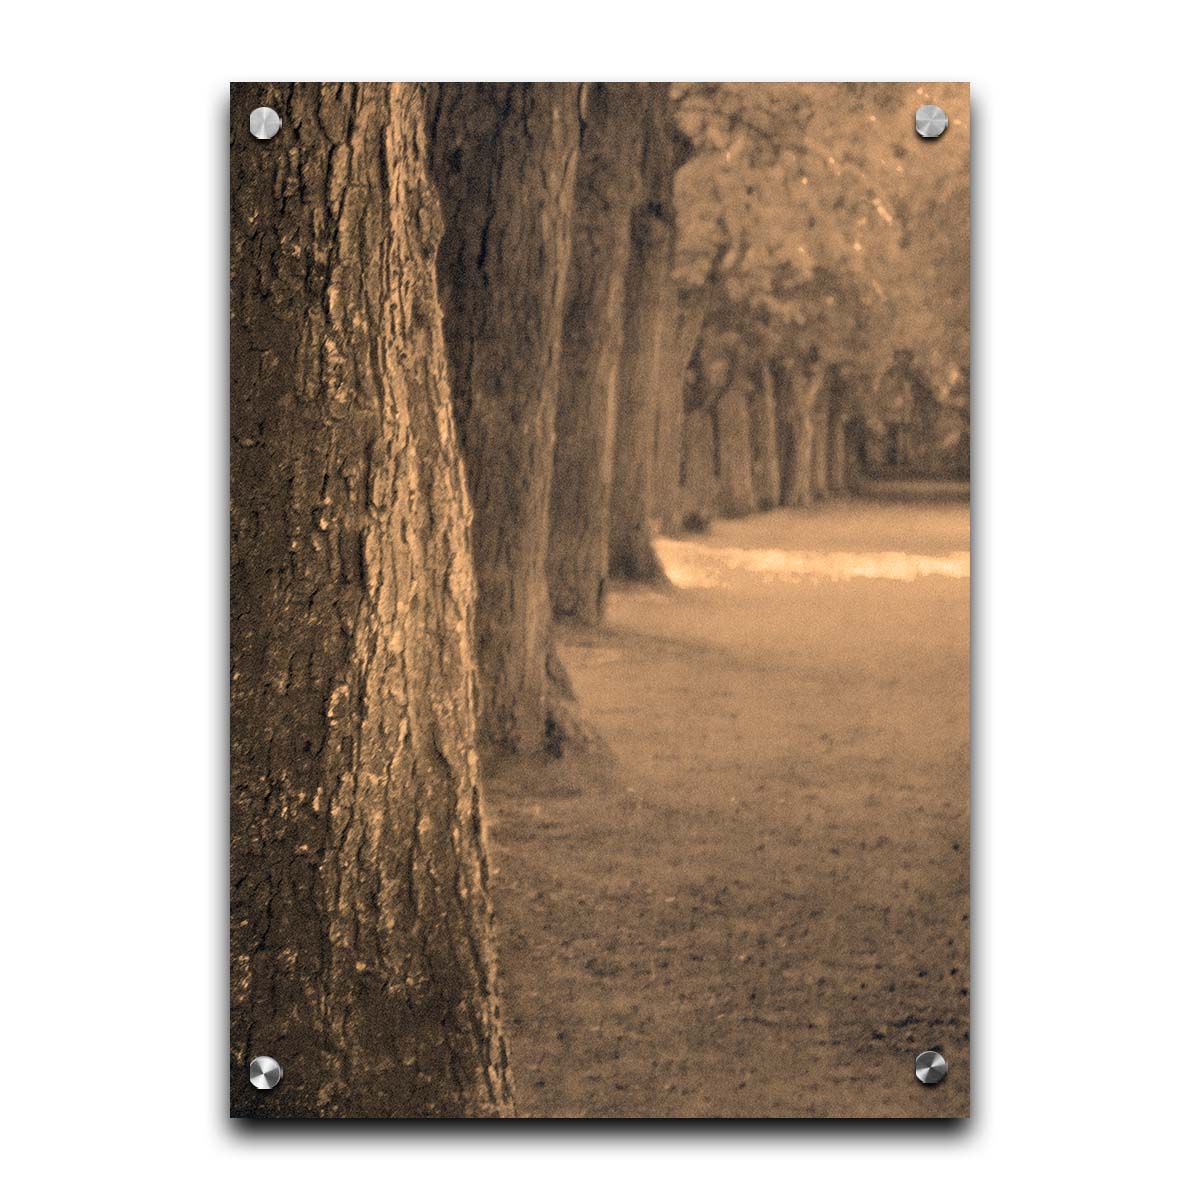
(755, 904)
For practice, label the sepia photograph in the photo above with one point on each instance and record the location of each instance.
(621, 634)
(600, 600)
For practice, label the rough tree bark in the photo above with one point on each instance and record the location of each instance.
(592, 338)
(647, 289)
(360, 938)
(734, 464)
(504, 160)
(764, 446)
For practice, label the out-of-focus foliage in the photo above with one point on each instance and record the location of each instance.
(825, 226)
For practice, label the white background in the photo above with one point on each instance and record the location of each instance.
(114, 387)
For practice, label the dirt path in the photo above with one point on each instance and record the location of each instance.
(760, 907)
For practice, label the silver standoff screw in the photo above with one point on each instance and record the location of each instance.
(265, 1072)
(931, 121)
(931, 1067)
(265, 123)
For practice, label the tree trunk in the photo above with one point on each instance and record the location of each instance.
(682, 325)
(734, 470)
(820, 472)
(764, 446)
(699, 469)
(786, 431)
(360, 924)
(837, 453)
(593, 334)
(794, 396)
(504, 160)
(631, 552)
(803, 493)
(668, 433)
(856, 451)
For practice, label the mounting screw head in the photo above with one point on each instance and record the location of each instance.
(931, 121)
(265, 123)
(265, 1072)
(931, 1067)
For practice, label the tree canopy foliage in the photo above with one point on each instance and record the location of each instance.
(815, 224)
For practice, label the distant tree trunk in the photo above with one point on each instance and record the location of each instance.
(764, 446)
(682, 325)
(647, 290)
(820, 480)
(786, 429)
(360, 923)
(837, 453)
(856, 452)
(734, 471)
(593, 335)
(841, 412)
(797, 490)
(874, 449)
(668, 434)
(802, 491)
(699, 469)
(504, 160)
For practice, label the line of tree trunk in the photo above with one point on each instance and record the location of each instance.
(361, 954)
(505, 158)
(777, 436)
(593, 336)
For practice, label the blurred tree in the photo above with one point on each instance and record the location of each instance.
(607, 187)
(764, 445)
(648, 303)
(504, 160)
(797, 390)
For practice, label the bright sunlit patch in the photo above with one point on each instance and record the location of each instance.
(691, 565)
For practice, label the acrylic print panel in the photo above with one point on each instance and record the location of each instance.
(599, 600)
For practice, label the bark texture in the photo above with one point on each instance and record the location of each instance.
(504, 160)
(360, 923)
(592, 337)
(631, 552)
